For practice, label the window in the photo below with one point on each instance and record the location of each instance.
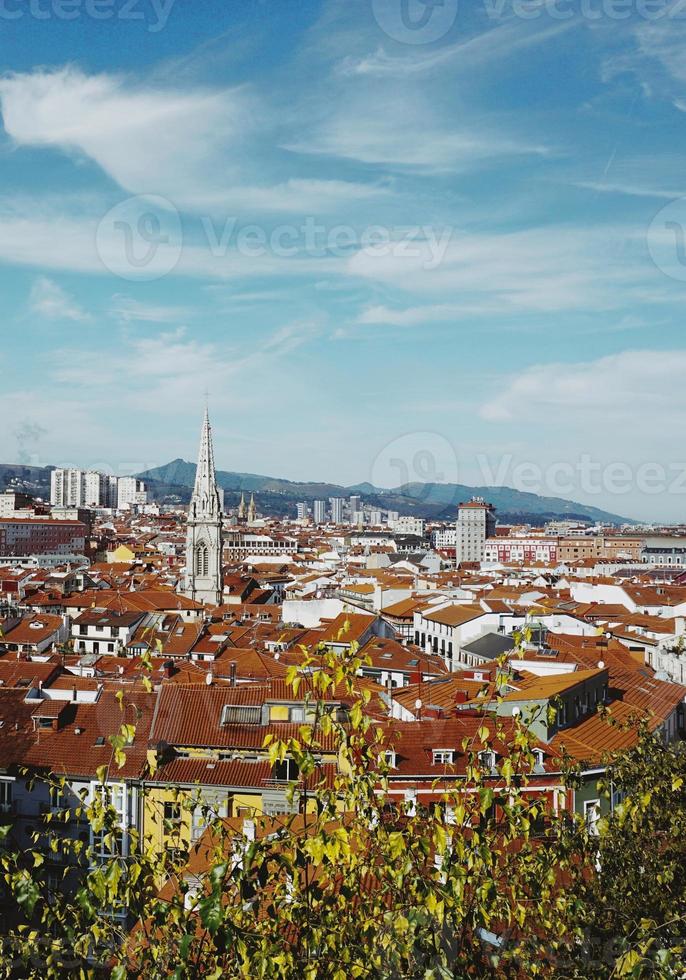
(443, 757)
(538, 760)
(172, 812)
(487, 760)
(389, 758)
(201, 561)
(106, 843)
(5, 796)
(592, 816)
(58, 800)
(211, 805)
(296, 714)
(285, 771)
(233, 714)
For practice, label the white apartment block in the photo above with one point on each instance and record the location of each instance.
(445, 538)
(409, 525)
(89, 488)
(475, 523)
(336, 510)
(130, 492)
(67, 488)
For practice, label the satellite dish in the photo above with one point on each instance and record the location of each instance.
(601, 664)
(209, 678)
(277, 655)
(418, 703)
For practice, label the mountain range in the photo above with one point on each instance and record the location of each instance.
(175, 480)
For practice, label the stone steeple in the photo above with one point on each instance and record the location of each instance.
(203, 580)
(241, 508)
(252, 511)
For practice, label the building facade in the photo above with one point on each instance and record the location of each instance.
(475, 522)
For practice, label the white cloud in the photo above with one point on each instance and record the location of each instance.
(541, 270)
(629, 391)
(144, 139)
(381, 133)
(129, 310)
(495, 45)
(49, 300)
(193, 146)
(414, 316)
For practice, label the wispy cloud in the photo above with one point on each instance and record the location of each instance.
(628, 391)
(49, 300)
(128, 310)
(127, 129)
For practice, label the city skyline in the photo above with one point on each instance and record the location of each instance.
(454, 256)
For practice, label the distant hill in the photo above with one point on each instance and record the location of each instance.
(431, 500)
(28, 479)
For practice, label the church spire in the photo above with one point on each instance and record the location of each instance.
(205, 495)
(204, 529)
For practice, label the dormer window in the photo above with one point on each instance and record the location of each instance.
(285, 771)
(487, 760)
(539, 759)
(389, 758)
(233, 714)
(443, 757)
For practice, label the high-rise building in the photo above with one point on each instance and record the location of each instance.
(94, 489)
(336, 509)
(302, 511)
(475, 522)
(130, 491)
(375, 518)
(319, 511)
(79, 488)
(110, 492)
(355, 503)
(203, 580)
(67, 488)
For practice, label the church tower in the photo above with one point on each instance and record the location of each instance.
(204, 528)
(252, 510)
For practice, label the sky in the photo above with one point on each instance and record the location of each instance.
(389, 240)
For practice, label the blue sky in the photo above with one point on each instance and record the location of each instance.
(443, 246)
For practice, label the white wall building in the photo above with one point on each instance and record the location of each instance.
(475, 523)
(130, 492)
(409, 525)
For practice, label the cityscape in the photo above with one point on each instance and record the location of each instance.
(342, 490)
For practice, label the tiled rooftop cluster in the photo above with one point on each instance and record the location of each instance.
(88, 645)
